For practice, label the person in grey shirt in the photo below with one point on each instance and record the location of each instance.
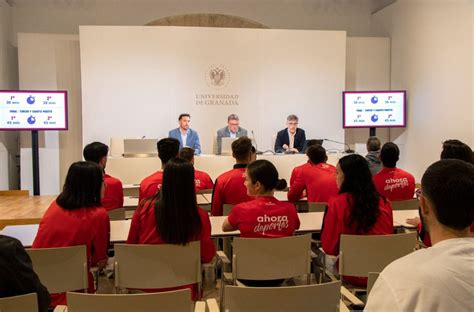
(373, 155)
(232, 130)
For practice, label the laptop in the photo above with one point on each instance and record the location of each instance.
(140, 148)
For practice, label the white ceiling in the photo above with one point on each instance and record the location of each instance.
(372, 5)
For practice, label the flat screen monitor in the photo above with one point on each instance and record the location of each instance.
(374, 109)
(33, 110)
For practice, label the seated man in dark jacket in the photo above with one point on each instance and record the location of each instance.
(291, 139)
(16, 273)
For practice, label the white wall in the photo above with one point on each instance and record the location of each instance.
(51, 62)
(367, 68)
(8, 80)
(156, 73)
(431, 57)
(65, 17)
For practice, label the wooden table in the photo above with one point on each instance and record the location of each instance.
(23, 209)
(311, 222)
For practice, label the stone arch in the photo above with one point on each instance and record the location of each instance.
(207, 20)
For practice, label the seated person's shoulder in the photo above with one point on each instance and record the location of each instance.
(8, 244)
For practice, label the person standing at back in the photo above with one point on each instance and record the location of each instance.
(202, 179)
(229, 187)
(392, 182)
(316, 179)
(439, 278)
(373, 155)
(357, 210)
(173, 216)
(167, 149)
(113, 196)
(77, 218)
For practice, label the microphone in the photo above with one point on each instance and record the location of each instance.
(348, 150)
(255, 140)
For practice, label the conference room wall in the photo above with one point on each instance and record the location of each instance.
(32, 58)
(51, 62)
(66, 17)
(367, 68)
(431, 57)
(8, 80)
(156, 73)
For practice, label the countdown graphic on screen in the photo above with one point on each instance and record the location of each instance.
(33, 110)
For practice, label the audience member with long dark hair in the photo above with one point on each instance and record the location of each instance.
(358, 209)
(172, 216)
(76, 218)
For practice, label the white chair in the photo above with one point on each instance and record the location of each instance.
(157, 266)
(166, 301)
(317, 207)
(21, 303)
(410, 204)
(116, 147)
(268, 259)
(361, 254)
(371, 281)
(61, 269)
(117, 214)
(316, 297)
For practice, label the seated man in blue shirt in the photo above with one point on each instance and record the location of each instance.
(186, 136)
(291, 139)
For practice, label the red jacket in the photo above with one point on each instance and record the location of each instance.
(394, 184)
(88, 226)
(265, 216)
(113, 195)
(229, 189)
(150, 185)
(203, 181)
(143, 231)
(319, 181)
(336, 222)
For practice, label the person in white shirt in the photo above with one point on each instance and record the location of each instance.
(440, 278)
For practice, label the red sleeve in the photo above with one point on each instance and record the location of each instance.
(102, 237)
(141, 192)
(208, 185)
(332, 229)
(377, 184)
(134, 232)
(297, 219)
(234, 216)
(208, 249)
(296, 187)
(217, 204)
(120, 193)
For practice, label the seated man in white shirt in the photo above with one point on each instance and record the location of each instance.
(439, 278)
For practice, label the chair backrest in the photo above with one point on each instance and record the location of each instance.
(157, 266)
(179, 300)
(371, 281)
(15, 193)
(316, 297)
(61, 269)
(226, 209)
(361, 254)
(271, 258)
(410, 204)
(205, 191)
(317, 207)
(21, 303)
(117, 214)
